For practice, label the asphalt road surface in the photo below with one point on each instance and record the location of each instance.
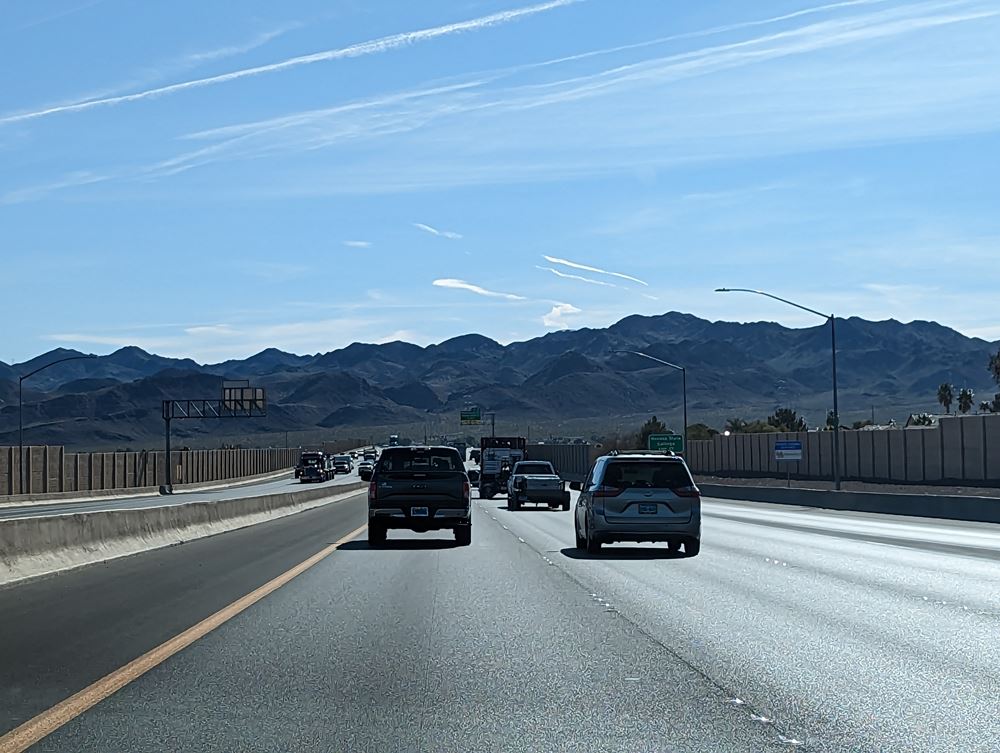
(96, 504)
(793, 630)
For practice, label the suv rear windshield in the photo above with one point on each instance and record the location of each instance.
(536, 468)
(420, 460)
(646, 474)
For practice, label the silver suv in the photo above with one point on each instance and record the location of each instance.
(638, 496)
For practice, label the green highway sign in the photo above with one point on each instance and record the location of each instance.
(665, 442)
(471, 417)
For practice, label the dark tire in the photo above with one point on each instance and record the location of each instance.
(673, 546)
(565, 502)
(581, 542)
(513, 504)
(376, 534)
(692, 547)
(593, 544)
(463, 534)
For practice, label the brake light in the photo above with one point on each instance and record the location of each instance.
(372, 492)
(606, 491)
(467, 491)
(687, 491)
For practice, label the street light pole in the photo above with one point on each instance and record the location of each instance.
(684, 383)
(832, 319)
(20, 409)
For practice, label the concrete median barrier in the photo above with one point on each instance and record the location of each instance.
(967, 508)
(30, 547)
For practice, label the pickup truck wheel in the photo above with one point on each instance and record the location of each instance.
(463, 534)
(513, 504)
(565, 505)
(376, 534)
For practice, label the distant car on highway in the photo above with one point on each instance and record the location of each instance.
(420, 489)
(371, 455)
(343, 464)
(638, 496)
(366, 469)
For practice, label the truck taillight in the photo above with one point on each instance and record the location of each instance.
(467, 490)
(372, 491)
(687, 491)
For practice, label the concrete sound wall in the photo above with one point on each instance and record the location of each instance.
(51, 470)
(960, 449)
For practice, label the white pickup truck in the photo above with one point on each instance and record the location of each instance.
(536, 482)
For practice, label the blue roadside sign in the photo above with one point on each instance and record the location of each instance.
(788, 449)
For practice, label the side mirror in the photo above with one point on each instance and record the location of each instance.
(576, 486)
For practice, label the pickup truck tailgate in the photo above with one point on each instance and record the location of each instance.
(430, 489)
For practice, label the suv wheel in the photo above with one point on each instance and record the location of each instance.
(463, 534)
(513, 504)
(376, 534)
(692, 547)
(593, 543)
(581, 542)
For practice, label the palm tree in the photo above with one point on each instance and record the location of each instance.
(985, 406)
(736, 426)
(946, 396)
(966, 399)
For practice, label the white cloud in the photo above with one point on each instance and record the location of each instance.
(463, 285)
(435, 231)
(224, 330)
(580, 278)
(382, 44)
(596, 270)
(357, 244)
(556, 318)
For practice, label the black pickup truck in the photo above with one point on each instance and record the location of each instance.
(420, 489)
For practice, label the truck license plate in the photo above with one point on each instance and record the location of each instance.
(419, 512)
(647, 509)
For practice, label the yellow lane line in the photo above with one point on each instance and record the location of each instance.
(21, 738)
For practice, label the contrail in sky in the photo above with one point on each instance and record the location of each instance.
(371, 47)
(598, 270)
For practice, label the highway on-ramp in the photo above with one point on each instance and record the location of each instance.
(811, 633)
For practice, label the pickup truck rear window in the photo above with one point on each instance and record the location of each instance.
(646, 474)
(537, 469)
(421, 461)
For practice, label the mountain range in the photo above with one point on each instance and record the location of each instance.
(569, 382)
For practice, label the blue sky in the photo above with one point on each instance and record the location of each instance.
(210, 179)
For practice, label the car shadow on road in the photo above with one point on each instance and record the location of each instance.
(362, 545)
(623, 553)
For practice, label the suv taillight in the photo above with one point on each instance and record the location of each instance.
(467, 491)
(372, 492)
(606, 491)
(687, 491)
